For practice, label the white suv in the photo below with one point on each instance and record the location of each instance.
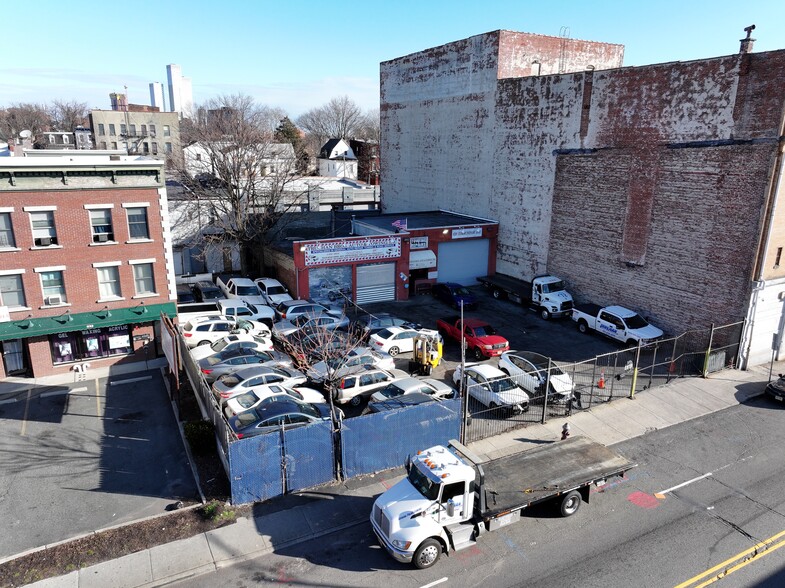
(273, 291)
(361, 384)
(206, 330)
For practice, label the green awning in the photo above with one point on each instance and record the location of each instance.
(82, 321)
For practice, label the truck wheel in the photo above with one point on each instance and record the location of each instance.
(570, 503)
(497, 293)
(544, 313)
(478, 354)
(427, 554)
(582, 326)
(393, 351)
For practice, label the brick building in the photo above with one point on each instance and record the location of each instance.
(655, 187)
(85, 261)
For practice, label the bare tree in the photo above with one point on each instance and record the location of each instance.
(67, 115)
(340, 118)
(369, 128)
(236, 173)
(23, 117)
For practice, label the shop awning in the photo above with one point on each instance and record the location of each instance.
(421, 259)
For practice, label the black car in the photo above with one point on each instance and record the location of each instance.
(367, 325)
(272, 416)
(776, 389)
(185, 294)
(205, 291)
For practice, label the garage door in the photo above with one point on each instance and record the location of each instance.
(463, 261)
(375, 283)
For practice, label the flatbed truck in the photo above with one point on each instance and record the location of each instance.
(450, 497)
(545, 294)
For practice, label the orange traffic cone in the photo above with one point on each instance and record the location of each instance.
(601, 381)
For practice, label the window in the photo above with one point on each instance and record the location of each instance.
(51, 139)
(123, 129)
(114, 145)
(155, 148)
(168, 148)
(44, 233)
(776, 261)
(103, 144)
(137, 223)
(108, 282)
(146, 147)
(12, 292)
(101, 129)
(111, 130)
(144, 129)
(143, 278)
(53, 288)
(6, 230)
(101, 221)
(132, 130)
(66, 140)
(167, 132)
(152, 130)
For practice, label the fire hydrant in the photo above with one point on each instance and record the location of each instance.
(565, 431)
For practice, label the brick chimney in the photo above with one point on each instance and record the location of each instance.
(748, 42)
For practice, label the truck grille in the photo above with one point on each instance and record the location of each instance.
(381, 519)
(500, 345)
(566, 305)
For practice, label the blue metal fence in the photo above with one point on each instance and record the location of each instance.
(255, 471)
(309, 456)
(376, 442)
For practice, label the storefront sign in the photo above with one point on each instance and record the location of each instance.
(348, 251)
(418, 243)
(466, 233)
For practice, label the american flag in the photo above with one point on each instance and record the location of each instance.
(400, 224)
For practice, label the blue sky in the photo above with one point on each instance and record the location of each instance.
(297, 54)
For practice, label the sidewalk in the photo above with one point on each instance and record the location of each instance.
(292, 519)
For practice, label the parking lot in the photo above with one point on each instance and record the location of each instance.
(87, 455)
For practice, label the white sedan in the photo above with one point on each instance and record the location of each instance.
(532, 370)
(394, 340)
(492, 387)
(268, 393)
(241, 340)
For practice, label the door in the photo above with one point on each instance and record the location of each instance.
(463, 261)
(375, 283)
(14, 357)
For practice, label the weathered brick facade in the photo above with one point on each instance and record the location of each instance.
(651, 187)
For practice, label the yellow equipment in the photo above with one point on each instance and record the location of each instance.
(428, 346)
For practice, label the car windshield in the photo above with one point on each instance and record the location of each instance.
(219, 345)
(424, 486)
(553, 287)
(484, 331)
(247, 291)
(502, 385)
(247, 400)
(636, 321)
(461, 291)
(231, 381)
(244, 324)
(273, 290)
(390, 391)
(384, 334)
(335, 362)
(211, 294)
(246, 418)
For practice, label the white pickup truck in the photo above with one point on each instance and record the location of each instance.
(615, 322)
(242, 288)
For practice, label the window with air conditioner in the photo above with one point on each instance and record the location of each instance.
(12, 293)
(101, 222)
(44, 233)
(53, 288)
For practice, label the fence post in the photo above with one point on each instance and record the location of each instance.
(547, 389)
(708, 352)
(635, 369)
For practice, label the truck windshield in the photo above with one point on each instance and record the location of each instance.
(553, 287)
(636, 322)
(424, 486)
(247, 291)
(484, 331)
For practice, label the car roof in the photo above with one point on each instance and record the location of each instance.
(486, 370)
(395, 330)
(536, 359)
(620, 311)
(257, 370)
(268, 281)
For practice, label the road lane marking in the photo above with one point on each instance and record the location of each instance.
(436, 583)
(661, 494)
(7, 401)
(130, 380)
(736, 562)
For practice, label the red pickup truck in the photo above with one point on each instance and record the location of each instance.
(481, 338)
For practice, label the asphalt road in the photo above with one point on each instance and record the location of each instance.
(88, 455)
(721, 482)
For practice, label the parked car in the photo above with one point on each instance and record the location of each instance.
(304, 322)
(493, 388)
(235, 307)
(368, 325)
(207, 329)
(311, 345)
(335, 367)
(454, 295)
(252, 328)
(394, 340)
(243, 380)
(229, 362)
(206, 291)
(397, 402)
(289, 309)
(272, 290)
(269, 393)
(530, 370)
(185, 294)
(273, 416)
(776, 389)
(361, 384)
(427, 386)
(235, 341)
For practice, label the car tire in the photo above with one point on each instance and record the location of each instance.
(497, 293)
(632, 343)
(427, 554)
(570, 503)
(583, 327)
(202, 343)
(478, 354)
(393, 351)
(356, 400)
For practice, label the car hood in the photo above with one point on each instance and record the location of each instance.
(562, 384)
(403, 498)
(647, 333)
(202, 352)
(492, 340)
(512, 397)
(284, 328)
(255, 300)
(561, 295)
(276, 299)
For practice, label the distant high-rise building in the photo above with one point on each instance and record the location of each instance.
(157, 96)
(187, 97)
(175, 79)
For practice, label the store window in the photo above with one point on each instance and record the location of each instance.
(101, 222)
(91, 343)
(137, 223)
(143, 278)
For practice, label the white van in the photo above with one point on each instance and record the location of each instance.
(234, 307)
